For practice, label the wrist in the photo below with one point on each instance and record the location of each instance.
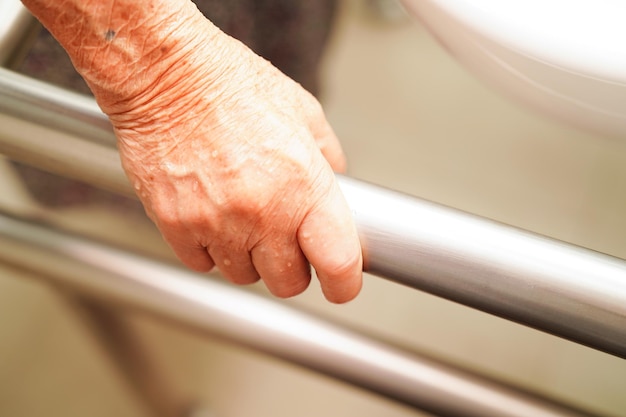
(126, 48)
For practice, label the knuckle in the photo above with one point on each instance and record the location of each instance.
(166, 218)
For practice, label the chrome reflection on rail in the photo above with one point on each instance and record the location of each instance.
(553, 286)
(561, 289)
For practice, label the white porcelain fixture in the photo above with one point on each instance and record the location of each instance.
(565, 57)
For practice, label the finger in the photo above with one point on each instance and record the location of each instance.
(194, 257)
(329, 144)
(235, 265)
(329, 240)
(282, 266)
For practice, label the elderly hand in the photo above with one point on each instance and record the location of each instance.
(233, 173)
(232, 160)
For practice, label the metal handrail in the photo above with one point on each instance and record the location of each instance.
(559, 288)
(194, 301)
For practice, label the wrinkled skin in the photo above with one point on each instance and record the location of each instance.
(237, 180)
(232, 160)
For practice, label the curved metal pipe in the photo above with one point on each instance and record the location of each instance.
(194, 301)
(565, 290)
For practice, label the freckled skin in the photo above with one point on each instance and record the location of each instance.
(232, 160)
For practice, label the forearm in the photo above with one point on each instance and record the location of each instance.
(126, 48)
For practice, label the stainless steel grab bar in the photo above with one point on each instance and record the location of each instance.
(96, 271)
(565, 290)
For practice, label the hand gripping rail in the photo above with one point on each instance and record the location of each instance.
(565, 290)
(559, 288)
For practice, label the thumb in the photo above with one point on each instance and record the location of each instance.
(329, 240)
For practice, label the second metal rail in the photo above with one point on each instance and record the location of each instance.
(559, 288)
(100, 273)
